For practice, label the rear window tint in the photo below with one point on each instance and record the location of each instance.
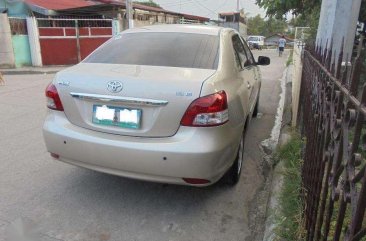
(160, 49)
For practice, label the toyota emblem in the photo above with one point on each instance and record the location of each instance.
(114, 86)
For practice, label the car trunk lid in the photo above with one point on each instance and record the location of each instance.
(155, 98)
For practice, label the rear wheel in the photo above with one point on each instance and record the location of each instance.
(233, 174)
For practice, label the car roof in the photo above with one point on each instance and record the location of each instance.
(178, 28)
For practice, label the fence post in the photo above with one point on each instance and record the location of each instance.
(33, 36)
(77, 40)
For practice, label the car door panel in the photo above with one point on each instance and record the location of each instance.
(246, 72)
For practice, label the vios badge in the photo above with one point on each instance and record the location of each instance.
(114, 86)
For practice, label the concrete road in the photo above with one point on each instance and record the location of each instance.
(68, 203)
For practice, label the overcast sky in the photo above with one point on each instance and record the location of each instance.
(210, 8)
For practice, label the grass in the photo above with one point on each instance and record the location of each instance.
(289, 219)
(290, 58)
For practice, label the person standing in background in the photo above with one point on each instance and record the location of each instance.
(281, 45)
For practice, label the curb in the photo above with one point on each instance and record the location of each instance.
(32, 70)
(269, 145)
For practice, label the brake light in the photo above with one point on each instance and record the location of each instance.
(210, 110)
(53, 99)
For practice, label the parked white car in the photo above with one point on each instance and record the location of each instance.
(166, 103)
(256, 42)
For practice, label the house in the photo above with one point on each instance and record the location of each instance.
(79, 26)
(235, 20)
(272, 40)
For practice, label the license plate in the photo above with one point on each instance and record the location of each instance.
(116, 116)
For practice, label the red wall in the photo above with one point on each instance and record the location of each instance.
(57, 49)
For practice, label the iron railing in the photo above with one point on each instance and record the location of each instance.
(333, 109)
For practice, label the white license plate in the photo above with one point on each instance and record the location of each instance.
(117, 116)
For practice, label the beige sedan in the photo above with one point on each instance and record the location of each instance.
(164, 103)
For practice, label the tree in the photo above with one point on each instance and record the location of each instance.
(149, 3)
(256, 25)
(279, 8)
(259, 26)
(306, 12)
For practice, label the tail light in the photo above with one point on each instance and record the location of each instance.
(210, 110)
(53, 99)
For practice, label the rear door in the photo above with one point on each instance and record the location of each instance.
(246, 69)
(251, 65)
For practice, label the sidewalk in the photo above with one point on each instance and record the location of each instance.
(32, 70)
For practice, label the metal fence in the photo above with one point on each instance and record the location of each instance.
(65, 21)
(333, 110)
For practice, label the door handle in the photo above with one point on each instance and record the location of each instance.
(248, 85)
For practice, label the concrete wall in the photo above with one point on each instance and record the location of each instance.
(137, 23)
(21, 50)
(15, 9)
(243, 30)
(338, 21)
(296, 82)
(6, 47)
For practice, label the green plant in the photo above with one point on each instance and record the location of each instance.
(290, 222)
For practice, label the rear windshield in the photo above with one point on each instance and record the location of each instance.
(160, 49)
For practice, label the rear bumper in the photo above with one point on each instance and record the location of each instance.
(204, 153)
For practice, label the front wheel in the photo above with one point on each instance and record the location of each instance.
(233, 174)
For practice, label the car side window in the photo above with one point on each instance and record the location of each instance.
(251, 60)
(239, 51)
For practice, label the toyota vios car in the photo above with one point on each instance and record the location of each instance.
(161, 103)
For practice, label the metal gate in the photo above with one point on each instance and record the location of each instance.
(68, 41)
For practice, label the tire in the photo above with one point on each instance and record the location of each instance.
(232, 176)
(255, 111)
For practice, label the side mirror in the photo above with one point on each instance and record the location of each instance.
(263, 60)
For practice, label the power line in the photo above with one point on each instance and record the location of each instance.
(221, 6)
(204, 7)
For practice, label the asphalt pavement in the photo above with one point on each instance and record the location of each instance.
(63, 202)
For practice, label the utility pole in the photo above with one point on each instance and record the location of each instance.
(129, 13)
(237, 5)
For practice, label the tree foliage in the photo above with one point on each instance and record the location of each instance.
(279, 8)
(149, 3)
(265, 27)
(306, 12)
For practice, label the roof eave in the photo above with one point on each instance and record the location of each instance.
(41, 10)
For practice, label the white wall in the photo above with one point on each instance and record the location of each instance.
(338, 21)
(6, 46)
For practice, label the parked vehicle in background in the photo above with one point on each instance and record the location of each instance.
(166, 103)
(256, 42)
